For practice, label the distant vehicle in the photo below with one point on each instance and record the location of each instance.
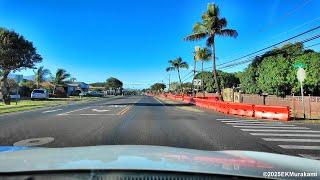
(39, 94)
(94, 94)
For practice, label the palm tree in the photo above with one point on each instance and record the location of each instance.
(203, 55)
(40, 75)
(61, 76)
(212, 24)
(176, 65)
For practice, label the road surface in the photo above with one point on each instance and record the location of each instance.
(143, 120)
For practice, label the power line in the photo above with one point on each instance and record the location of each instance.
(286, 40)
(249, 60)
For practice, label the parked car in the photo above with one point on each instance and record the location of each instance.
(39, 94)
(94, 94)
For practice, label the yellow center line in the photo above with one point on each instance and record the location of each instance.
(123, 111)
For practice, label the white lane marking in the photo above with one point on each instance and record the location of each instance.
(291, 140)
(95, 114)
(67, 113)
(251, 123)
(271, 127)
(226, 119)
(300, 147)
(100, 110)
(280, 130)
(288, 135)
(159, 101)
(311, 156)
(261, 125)
(54, 110)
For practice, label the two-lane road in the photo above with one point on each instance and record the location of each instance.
(143, 120)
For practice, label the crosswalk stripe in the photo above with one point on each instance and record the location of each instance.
(271, 127)
(300, 147)
(280, 130)
(288, 135)
(243, 121)
(251, 124)
(311, 156)
(226, 119)
(291, 140)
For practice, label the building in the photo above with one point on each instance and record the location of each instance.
(77, 87)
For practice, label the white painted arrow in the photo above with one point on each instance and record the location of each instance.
(100, 110)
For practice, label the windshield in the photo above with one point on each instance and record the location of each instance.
(195, 74)
(38, 91)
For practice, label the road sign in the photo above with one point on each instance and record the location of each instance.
(301, 74)
(299, 65)
(197, 82)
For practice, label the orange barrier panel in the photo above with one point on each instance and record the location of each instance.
(272, 112)
(241, 109)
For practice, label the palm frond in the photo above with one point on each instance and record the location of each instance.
(199, 28)
(184, 65)
(170, 69)
(210, 41)
(222, 23)
(213, 10)
(196, 36)
(228, 32)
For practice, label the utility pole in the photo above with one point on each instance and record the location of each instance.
(169, 83)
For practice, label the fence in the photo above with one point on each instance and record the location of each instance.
(312, 104)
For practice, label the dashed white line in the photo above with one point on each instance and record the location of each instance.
(290, 140)
(288, 135)
(54, 110)
(300, 147)
(66, 113)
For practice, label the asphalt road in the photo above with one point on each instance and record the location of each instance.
(143, 120)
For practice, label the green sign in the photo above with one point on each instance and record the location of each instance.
(299, 65)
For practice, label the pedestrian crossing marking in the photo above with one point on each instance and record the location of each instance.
(291, 140)
(280, 130)
(271, 127)
(289, 135)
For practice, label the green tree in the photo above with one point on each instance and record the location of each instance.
(248, 82)
(61, 76)
(226, 80)
(40, 75)
(16, 53)
(274, 71)
(176, 65)
(212, 25)
(158, 87)
(203, 55)
(113, 83)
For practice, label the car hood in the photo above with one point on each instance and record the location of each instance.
(158, 158)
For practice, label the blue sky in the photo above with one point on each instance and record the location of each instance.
(133, 40)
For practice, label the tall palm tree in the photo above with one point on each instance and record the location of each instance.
(176, 65)
(40, 75)
(61, 76)
(210, 26)
(203, 55)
